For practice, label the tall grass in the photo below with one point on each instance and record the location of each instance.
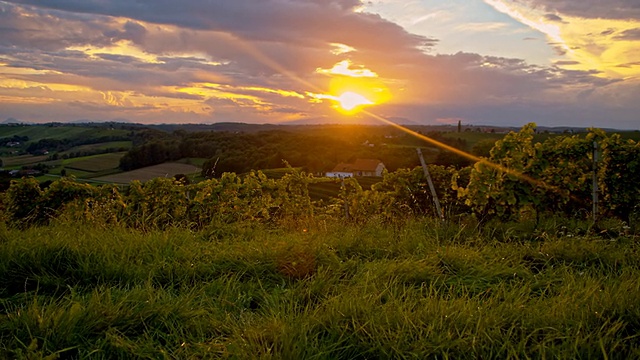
(416, 290)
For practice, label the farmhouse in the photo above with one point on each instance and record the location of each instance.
(361, 167)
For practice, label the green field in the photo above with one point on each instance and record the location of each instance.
(94, 163)
(330, 292)
(39, 132)
(21, 160)
(193, 161)
(78, 174)
(151, 172)
(99, 147)
(472, 137)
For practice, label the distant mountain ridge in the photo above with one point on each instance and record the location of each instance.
(12, 120)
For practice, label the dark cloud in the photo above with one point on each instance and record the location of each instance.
(131, 31)
(302, 22)
(608, 32)
(566, 62)
(559, 49)
(631, 34)
(553, 17)
(629, 65)
(610, 9)
(51, 30)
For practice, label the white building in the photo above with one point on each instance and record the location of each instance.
(361, 167)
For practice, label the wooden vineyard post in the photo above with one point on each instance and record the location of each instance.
(595, 182)
(346, 204)
(431, 187)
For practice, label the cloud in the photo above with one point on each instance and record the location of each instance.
(628, 65)
(553, 18)
(596, 34)
(631, 35)
(566, 62)
(611, 9)
(257, 61)
(49, 30)
(273, 20)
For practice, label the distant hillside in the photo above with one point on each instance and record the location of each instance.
(12, 121)
(61, 131)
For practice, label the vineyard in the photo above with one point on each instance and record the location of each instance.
(253, 267)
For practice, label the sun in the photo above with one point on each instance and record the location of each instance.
(350, 101)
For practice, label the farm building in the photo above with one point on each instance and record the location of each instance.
(360, 167)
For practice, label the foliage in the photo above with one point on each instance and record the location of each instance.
(618, 176)
(24, 202)
(166, 202)
(521, 177)
(496, 187)
(316, 149)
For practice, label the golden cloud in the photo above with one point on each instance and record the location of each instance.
(587, 43)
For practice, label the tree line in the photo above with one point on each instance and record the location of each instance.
(58, 145)
(317, 150)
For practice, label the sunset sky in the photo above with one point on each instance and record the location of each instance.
(483, 62)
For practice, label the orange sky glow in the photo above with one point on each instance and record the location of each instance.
(491, 62)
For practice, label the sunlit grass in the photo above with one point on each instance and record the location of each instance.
(419, 290)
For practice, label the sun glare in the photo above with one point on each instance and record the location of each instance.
(350, 101)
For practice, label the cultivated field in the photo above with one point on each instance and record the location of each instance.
(94, 163)
(21, 160)
(99, 146)
(151, 172)
(39, 132)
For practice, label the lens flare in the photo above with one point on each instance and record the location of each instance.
(465, 154)
(350, 101)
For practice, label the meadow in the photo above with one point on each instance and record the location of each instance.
(327, 291)
(94, 163)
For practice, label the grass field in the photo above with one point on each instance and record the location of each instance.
(39, 132)
(472, 137)
(94, 163)
(193, 161)
(151, 172)
(99, 147)
(78, 174)
(21, 160)
(334, 291)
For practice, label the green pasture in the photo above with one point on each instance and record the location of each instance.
(39, 132)
(329, 291)
(22, 160)
(94, 163)
(193, 161)
(99, 147)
